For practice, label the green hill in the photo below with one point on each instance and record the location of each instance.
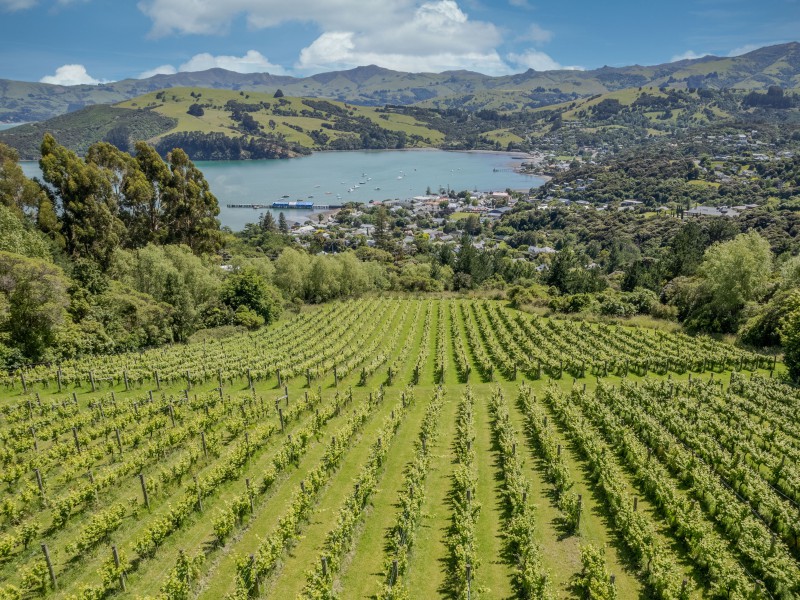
(214, 124)
(227, 124)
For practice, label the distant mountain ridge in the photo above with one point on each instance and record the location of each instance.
(376, 86)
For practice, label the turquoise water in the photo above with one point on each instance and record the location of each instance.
(323, 176)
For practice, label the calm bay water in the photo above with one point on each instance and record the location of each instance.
(327, 177)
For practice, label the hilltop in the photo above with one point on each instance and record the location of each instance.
(376, 86)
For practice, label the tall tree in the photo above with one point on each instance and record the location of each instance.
(190, 209)
(267, 222)
(283, 226)
(381, 234)
(148, 221)
(89, 205)
(131, 189)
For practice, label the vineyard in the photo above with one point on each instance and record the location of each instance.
(397, 448)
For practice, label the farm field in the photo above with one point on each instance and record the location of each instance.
(404, 448)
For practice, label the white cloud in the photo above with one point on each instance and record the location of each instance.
(519, 3)
(538, 61)
(688, 55)
(71, 75)
(159, 70)
(252, 62)
(12, 5)
(409, 35)
(437, 36)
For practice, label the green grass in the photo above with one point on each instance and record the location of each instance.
(216, 119)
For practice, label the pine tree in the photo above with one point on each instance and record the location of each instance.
(267, 222)
(283, 226)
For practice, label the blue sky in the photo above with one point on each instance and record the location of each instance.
(89, 41)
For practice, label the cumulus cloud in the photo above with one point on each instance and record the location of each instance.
(538, 61)
(412, 35)
(688, 55)
(437, 36)
(71, 75)
(252, 62)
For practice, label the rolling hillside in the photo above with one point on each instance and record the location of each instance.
(213, 124)
(376, 86)
(288, 126)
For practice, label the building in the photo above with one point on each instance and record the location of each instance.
(712, 211)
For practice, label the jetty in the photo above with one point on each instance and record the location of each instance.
(288, 206)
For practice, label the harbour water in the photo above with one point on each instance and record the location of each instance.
(326, 178)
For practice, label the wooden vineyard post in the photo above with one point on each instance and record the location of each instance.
(324, 561)
(335, 377)
(49, 566)
(58, 375)
(24, 383)
(125, 378)
(203, 443)
(91, 380)
(144, 490)
(39, 482)
(158, 380)
(35, 442)
(580, 510)
(75, 437)
(250, 495)
(254, 575)
(280, 416)
(278, 375)
(469, 581)
(119, 441)
(116, 564)
(199, 493)
(188, 380)
(308, 377)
